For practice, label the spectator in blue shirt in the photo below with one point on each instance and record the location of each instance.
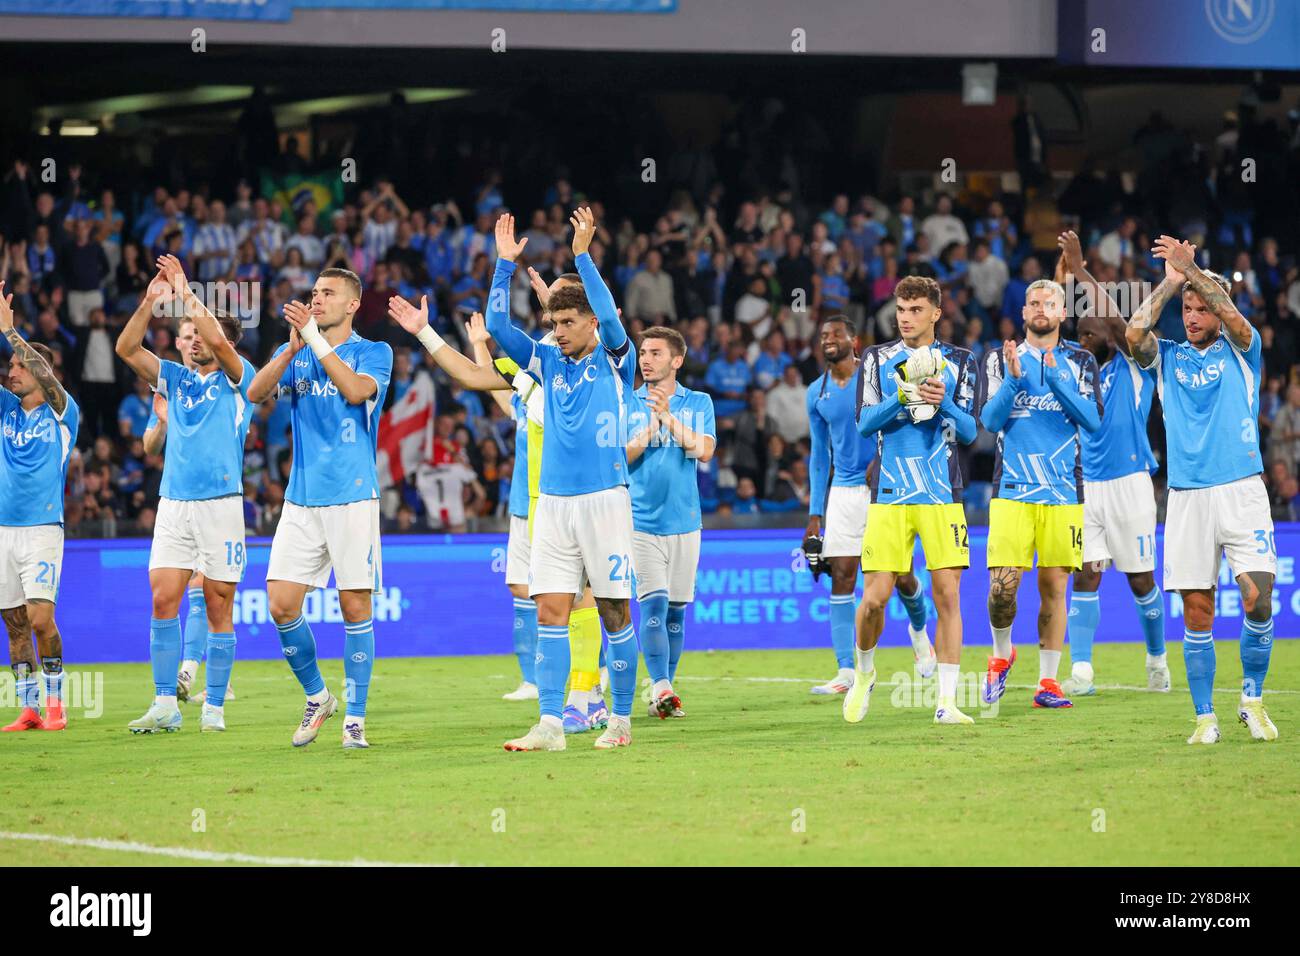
(834, 287)
(1013, 300)
(772, 361)
(133, 412)
(727, 379)
(952, 265)
(836, 218)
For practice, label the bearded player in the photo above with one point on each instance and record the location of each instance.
(1119, 504)
(1209, 390)
(838, 501)
(918, 398)
(40, 423)
(194, 642)
(200, 524)
(1036, 397)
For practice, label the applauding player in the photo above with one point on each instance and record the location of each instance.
(1119, 506)
(583, 523)
(331, 510)
(838, 500)
(200, 524)
(1209, 390)
(40, 424)
(1036, 396)
(673, 430)
(919, 415)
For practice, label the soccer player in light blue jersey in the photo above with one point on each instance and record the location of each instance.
(671, 429)
(917, 397)
(1209, 391)
(194, 643)
(200, 525)
(838, 501)
(1119, 504)
(331, 511)
(1036, 397)
(40, 423)
(583, 521)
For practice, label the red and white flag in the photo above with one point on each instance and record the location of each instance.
(406, 433)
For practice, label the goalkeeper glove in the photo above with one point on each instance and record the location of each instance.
(812, 552)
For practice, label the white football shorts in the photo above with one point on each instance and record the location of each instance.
(31, 564)
(204, 536)
(666, 562)
(1201, 524)
(518, 551)
(845, 523)
(309, 542)
(590, 533)
(1119, 522)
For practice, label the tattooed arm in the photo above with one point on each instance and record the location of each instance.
(1182, 256)
(32, 360)
(1141, 340)
(1103, 304)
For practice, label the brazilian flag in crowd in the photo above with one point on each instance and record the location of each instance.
(295, 189)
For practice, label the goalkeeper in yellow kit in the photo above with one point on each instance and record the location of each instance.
(919, 396)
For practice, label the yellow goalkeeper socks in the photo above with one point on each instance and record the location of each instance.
(584, 653)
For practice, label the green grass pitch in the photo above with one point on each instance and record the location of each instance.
(759, 772)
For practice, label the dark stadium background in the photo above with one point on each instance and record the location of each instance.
(722, 128)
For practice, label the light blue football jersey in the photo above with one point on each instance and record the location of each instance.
(1210, 399)
(37, 446)
(1120, 446)
(334, 442)
(918, 464)
(519, 477)
(840, 455)
(1037, 419)
(207, 422)
(585, 399)
(665, 492)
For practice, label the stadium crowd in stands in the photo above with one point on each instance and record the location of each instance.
(744, 270)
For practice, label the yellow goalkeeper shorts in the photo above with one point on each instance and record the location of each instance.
(892, 531)
(1018, 529)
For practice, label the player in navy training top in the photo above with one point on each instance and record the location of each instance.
(838, 463)
(40, 424)
(336, 387)
(1209, 390)
(1119, 504)
(1036, 396)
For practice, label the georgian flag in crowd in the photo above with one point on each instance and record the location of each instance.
(406, 433)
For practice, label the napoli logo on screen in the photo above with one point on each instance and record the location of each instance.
(1240, 21)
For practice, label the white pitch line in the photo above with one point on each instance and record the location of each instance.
(206, 856)
(891, 683)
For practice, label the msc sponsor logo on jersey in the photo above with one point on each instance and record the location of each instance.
(559, 384)
(1206, 376)
(209, 394)
(21, 437)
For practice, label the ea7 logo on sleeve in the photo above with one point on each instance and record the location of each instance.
(77, 909)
